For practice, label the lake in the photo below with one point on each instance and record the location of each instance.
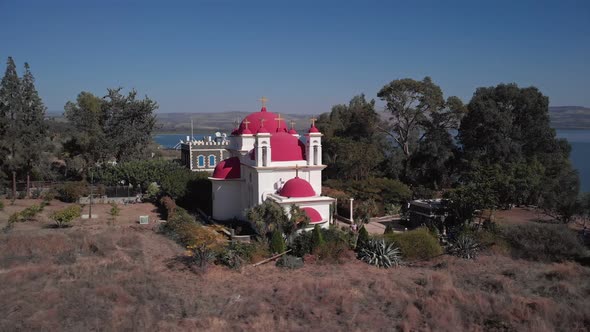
(578, 138)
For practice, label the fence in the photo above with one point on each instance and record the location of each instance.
(39, 187)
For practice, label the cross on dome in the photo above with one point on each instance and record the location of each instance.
(246, 123)
(313, 120)
(292, 122)
(278, 119)
(263, 100)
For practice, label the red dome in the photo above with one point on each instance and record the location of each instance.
(313, 129)
(286, 147)
(292, 131)
(227, 169)
(313, 214)
(270, 124)
(297, 187)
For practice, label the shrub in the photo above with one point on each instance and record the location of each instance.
(465, 246)
(64, 216)
(49, 195)
(169, 207)
(290, 262)
(317, 238)
(29, 213)
(152, 191)
(71, 192)
(417, 244)
(36, 193)
(277, 242)
(301, 244)
(230, 258)
(14, 218)
(363, 238)
(380, 254)
(114, 211)
(543, 242)
(332, 251)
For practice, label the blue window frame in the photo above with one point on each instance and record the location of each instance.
(211, 160)
(201, 161)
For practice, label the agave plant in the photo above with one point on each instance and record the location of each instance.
(380, 254)
(465, 246)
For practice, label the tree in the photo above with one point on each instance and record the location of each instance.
(411, 104)
(347, 130)
(129, 123)
(33, 127)
(10, 108)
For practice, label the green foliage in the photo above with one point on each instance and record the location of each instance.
(301, 245)
(14, 218)
(383, 191)
(417, 244)
(29, 213)
(380, 254)
(268, 217)
(290, 262)
(335, 244)
(64, 217)
(317, 237)
(114, 211)
(277, 242)
(543, 242)
(464, 246)
(230, 258)
(71, 192)
(152, 191)
(363, 238)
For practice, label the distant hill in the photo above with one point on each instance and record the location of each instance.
(570, 117)
(223, 121)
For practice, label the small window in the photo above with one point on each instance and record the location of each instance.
(201, 161)
(211, 161)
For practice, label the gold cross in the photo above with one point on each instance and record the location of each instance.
(246, 123)
(279, 121)
(292, 123)
(263, 100)
(313, 120)
(262, 122)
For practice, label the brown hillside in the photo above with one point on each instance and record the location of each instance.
(93, 276)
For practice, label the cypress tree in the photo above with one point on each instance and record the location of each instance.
(363, 238)
(317, 237)
(32, 123)
(277, 243)
(10, 108)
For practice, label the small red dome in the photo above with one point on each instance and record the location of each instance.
(297, 187)
(246, 131)
(227, 169)
(262, 130)
(292, 131)
(313, 129)
(313, 214)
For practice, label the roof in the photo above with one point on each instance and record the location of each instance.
(227, 169)
(271, 124)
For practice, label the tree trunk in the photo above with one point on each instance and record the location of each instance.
(13, 185)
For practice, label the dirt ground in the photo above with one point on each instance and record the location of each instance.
(126, 276)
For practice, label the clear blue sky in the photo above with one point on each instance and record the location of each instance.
(305, 56)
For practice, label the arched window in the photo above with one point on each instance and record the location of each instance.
(211, 161)
(264, 153)
(201, 161)
(315, 155)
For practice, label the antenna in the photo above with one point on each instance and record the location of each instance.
(192, 133)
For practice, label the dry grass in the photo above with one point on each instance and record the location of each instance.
(125, 277)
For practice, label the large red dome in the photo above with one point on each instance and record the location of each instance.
(286, 147)
(270, 122)
(227, 169)
(297, 187)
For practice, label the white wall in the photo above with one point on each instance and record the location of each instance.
(226, 197)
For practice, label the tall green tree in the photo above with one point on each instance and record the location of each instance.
(410, 105)
(129, 123)
(10, 108)
(32, 123)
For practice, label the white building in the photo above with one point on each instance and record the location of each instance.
(268, 161)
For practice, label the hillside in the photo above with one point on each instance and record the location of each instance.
(570, 117)
(95, 276)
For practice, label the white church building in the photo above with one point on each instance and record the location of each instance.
(268, 161)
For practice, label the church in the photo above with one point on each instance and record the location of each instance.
(268, 161)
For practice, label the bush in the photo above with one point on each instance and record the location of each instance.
(465, 246)
(543, 242)
(71, 192)
(417, 244)
(317, 238)
(63, 217)
(290, 262)
(36, 193)
(301, 244)
(363, 238)
(49, 195)
(277, 242)
(380, 254)
(29, 213)
(230, 258)
(168, 207)
(332, 251)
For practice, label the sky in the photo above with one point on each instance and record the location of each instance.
(304, 56)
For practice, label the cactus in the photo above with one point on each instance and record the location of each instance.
(465, 246)
(380, 254)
